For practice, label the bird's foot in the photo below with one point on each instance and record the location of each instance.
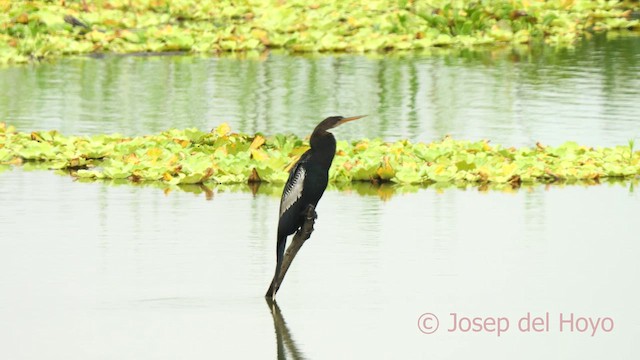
(311, 213)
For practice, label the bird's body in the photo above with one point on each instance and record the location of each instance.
(307, 181)
(305, 186)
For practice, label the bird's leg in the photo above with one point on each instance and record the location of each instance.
(302, 235)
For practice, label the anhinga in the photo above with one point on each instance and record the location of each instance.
(307, 181)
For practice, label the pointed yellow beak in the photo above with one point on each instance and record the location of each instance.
(345, 120)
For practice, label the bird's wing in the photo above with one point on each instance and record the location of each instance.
(293, 188)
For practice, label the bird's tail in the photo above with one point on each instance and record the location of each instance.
(273, 288)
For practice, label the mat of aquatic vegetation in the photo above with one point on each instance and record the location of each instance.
(192, 156)
(40, 29)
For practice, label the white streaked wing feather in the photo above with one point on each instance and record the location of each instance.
(293, 192)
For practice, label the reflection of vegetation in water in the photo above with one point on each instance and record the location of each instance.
(384, 191)
(41, 29)
(412, 95)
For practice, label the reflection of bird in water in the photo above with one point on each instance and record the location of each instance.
(307, 181)
(285, 342)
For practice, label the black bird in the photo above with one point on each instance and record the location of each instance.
(307, 181)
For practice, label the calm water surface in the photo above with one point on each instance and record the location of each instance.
(92, 271)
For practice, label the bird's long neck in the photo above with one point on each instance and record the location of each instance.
(323, 146)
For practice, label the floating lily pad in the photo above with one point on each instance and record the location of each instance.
(34, 30)
(192, 156)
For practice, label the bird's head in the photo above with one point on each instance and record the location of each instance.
(334, 121)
